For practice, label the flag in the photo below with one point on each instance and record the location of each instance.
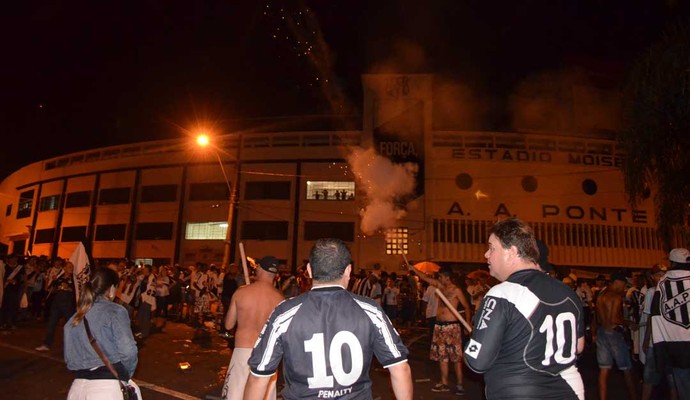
(82, 267)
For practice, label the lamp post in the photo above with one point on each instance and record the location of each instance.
(203, 140)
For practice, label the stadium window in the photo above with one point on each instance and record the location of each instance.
(26, 203)
(106, 233)
(154, 231)
(261, 190)
(8, 210)
(209, 191)
(158, 193)
(73, 233)
(143, 261)
(330, 190)
(264, 230)
(49, 203)
(344, 231)
(114, 196)
(206, 230)
(78, 199)
(44, 236)
(397, 240)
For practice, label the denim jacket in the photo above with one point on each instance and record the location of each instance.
(110, 325)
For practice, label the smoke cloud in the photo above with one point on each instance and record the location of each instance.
(387, 187)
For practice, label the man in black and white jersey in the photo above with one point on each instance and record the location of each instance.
(327, 336)
(529, 328)
(670, 321)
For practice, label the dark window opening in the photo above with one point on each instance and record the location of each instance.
(265, 230)
(154, 231)
(158, 193)
(275, 190)
(110, 232)
(344, 231)
(78, 199)
(44, 236)
(209, 191)
(73, 233)
(114, 196)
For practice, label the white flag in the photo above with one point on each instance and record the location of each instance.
(82, 267)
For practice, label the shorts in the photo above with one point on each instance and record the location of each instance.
(612, 348)
(105, 389)
(238, 372)
(446, 344)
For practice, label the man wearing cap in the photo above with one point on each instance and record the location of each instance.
(529, 329)
(327, 336)
(612, 347)
(249, 309)
(670, 321)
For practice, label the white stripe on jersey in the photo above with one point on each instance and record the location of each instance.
(377, 317)
(280, 326)
(573, 378)
(520, 296)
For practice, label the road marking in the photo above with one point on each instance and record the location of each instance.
(143, 384)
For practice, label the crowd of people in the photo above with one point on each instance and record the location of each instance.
(520, 324)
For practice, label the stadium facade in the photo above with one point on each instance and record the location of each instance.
(168, 201)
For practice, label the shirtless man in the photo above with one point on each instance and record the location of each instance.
(446, 344)
(611, 345)
(249, 309)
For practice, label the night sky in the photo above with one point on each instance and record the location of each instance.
(78, 75)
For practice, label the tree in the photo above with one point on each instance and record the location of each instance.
(656, 131)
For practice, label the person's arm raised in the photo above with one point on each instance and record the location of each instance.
(423, 276)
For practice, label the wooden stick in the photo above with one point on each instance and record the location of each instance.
(244, 264)
(453, 310)
(446, 301)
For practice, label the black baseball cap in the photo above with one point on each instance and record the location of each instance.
(270, 264)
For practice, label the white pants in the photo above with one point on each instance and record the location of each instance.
(238, 373)
(97, 389)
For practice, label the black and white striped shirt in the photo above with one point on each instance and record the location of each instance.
(326, 339)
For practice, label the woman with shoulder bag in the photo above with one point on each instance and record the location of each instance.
(99, 346)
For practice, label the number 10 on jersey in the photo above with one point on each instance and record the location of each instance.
(317, 348)
(558, 330)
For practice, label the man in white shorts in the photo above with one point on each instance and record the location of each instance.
(249, 309)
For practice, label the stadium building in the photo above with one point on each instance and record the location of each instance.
(169, 201)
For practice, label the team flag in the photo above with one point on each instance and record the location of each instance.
(82, 267)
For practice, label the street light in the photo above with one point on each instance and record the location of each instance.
(204, 140)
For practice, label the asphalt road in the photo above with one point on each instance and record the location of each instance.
(28, 374)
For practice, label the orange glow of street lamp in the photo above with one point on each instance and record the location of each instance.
(203, 140)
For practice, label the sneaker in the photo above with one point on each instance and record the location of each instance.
(440, 387)
(43, 347)
(459, 390)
